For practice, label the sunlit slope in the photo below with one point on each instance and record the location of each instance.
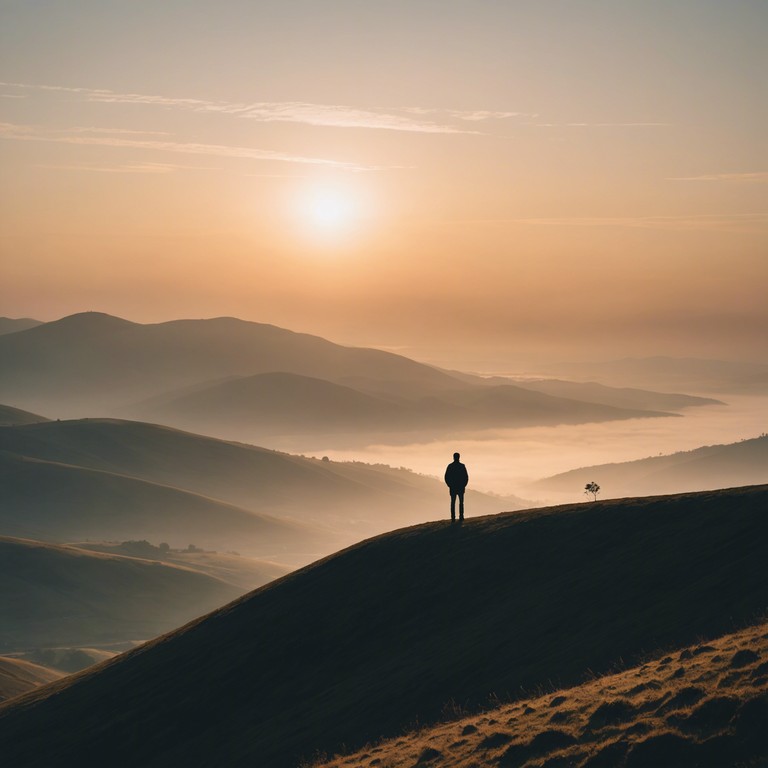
(362, 644)
(11, 416)
(348, 497)
(92, 360)
(18, 676)
(56, 595)
(60, 502)
(713, 466)
(705, 705)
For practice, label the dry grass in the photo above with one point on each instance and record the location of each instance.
(705, 705)
(18, 676)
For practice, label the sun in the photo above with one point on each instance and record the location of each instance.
(330, 211)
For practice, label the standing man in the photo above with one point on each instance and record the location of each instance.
(456, 478)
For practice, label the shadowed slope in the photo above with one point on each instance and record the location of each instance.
(359, 645)
(59, 502)
(13, 325)
(355, 499)
(12, 416)
(60, 595)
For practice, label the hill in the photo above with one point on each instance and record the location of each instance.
(18, 676)
(705, 705)
(713, 466)
(164, 476)
(61, 596)
(61, 502)
(12, 325)
(11, 416)
(362, 644)
(244, 572)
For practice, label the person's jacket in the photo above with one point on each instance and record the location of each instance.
(456, 476)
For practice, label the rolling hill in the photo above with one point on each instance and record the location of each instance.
(18, 676)
(12, 416)
(56, 595)
(363, 644)
(13, 325)
(128, 480)
(713, 466)
(61, 502)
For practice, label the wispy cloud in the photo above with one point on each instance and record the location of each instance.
(307, 113)
(37, 133)
(602, 125)
(755, 177)
(124, 168)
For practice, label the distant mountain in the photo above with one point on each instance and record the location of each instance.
(11, 325)
(18, 676)
(623, 397)
(128, 480)
(249, 381)
(390, 632)
(57, 595)
(258, 408)
(91, 361)
(710, 467)
(677, 374)
(11, 416)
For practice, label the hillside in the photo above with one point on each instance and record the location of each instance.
(18, 676)
(12, 325)
(713, 466)
(362, 644)
(11, 416)
(61, 502)
(62, 596)
(704, 705)
(230, 567)
(322, 505)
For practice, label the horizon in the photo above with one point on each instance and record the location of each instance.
(483, 185)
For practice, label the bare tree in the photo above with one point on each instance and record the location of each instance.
(592, 488)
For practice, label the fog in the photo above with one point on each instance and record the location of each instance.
(507, 461)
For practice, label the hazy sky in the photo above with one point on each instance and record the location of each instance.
(471, 182)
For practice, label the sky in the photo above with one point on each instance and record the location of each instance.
(476, 184)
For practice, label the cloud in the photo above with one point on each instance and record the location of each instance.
(755, 177)
(36, 133)
(307, 113)
(125, 168)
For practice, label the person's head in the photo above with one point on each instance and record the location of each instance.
(456, 456)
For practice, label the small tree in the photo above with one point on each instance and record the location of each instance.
(592, 488)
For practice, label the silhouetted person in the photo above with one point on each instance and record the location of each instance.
(456, 478)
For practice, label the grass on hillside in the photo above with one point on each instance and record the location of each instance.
(705, 705)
